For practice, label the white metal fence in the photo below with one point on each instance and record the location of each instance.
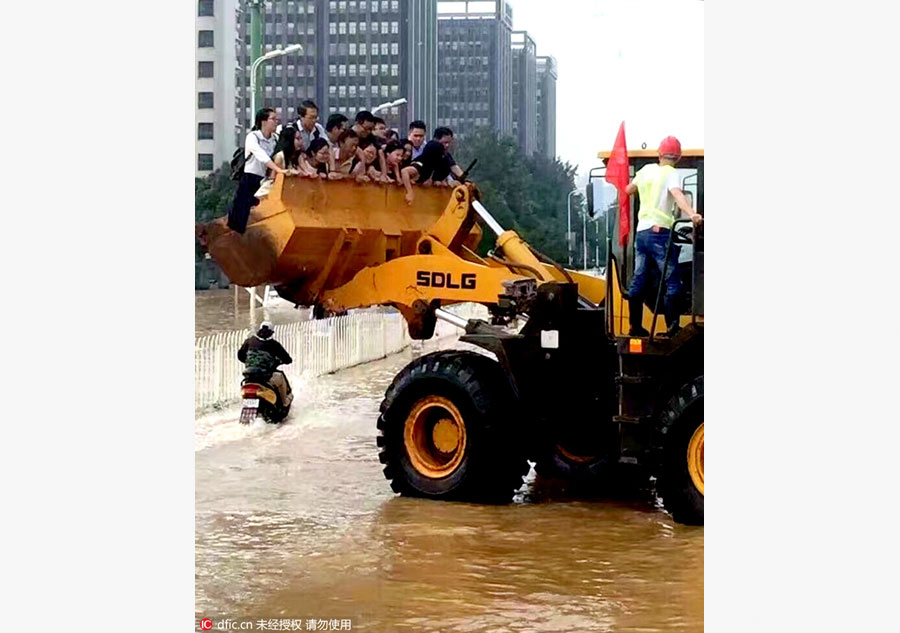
(316, 347)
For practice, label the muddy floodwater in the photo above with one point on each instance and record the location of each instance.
(296, 522)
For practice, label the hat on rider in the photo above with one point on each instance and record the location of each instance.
(670, 147)
(265, 329)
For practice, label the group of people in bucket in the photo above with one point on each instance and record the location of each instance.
(365, 150)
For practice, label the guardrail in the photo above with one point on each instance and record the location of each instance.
(317, 347)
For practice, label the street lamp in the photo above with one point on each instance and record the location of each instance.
(278, 52)
(388, 104)
(569, 239)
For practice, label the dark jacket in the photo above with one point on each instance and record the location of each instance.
(263, 355)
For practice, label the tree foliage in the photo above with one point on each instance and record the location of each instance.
(523, 193)
(213, 195)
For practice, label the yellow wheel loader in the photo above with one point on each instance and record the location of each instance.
(569, 390)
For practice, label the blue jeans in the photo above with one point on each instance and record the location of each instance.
(650, 250)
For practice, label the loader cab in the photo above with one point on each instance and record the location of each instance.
(603, 204)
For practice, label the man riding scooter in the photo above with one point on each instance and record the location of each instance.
(261, 355)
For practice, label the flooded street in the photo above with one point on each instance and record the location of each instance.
(297, 522)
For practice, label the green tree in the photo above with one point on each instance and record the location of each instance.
(523, 193)
(213, 195)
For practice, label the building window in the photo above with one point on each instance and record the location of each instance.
(204, 99)
(332, 69)
(311, 8)
(204, 69)
(204, 131)
(395, 70)
(332, 90)
(352, 91)
(362, 48)
(384, 28)
(384, 69)
(395, 5)
(363, 69)
(204, 39)
(395, 27)
(204, 162)
(353, 28)
(342, 28)
(374, 70)
(352, 48)
(342, 70)
(353, 70)
(362, 27)
(332, 28)
(384, 48)
(342, 91)
(374, 27)
(384, 91)
(395, 48)
(205, 8)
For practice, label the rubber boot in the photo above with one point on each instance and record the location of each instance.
(635, 317)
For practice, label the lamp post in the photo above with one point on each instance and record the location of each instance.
(569, 229)
(388, 104)
(278, 52)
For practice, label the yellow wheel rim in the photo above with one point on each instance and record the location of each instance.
(435, 437)
(578, 459)
(695, 458)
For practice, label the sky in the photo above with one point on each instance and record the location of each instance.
(635, 61)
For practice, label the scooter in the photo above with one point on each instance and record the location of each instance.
(260, 398)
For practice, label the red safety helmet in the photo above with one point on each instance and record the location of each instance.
(670, 147)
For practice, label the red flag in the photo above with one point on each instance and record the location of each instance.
(617, 174)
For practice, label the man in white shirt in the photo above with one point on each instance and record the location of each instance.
(660, 194)
(417, 132)
(259, 145)
(308, 123)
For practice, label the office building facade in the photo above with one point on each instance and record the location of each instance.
(546, 106)
(356, 55)
(475, 66)
(214, 74)
(524, 91)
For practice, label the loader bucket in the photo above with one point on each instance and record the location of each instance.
(310, 235)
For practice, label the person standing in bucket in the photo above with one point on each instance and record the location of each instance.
(259, 145)
(660, 193)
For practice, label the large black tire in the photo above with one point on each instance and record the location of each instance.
(556, 460)
(468, 396)
(680, 422)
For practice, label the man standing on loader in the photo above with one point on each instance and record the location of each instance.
(660, 192)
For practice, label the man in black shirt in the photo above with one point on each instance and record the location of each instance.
(434, 164)
(261, 355)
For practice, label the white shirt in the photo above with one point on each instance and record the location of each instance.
(308, 137)
(417, 151)
(258, 150)
(666, 202)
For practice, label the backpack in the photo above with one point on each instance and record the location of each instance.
(237, 163)
(238, 160)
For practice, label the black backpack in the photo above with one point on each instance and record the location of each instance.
(237, 163)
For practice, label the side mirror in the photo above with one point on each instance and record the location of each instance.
(595, 195)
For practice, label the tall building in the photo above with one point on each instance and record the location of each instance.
(475, 66)
(524, 91)
(215, 84)
(546, 106)
(357, 54)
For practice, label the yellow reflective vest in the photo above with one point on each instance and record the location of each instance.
(650, 188)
